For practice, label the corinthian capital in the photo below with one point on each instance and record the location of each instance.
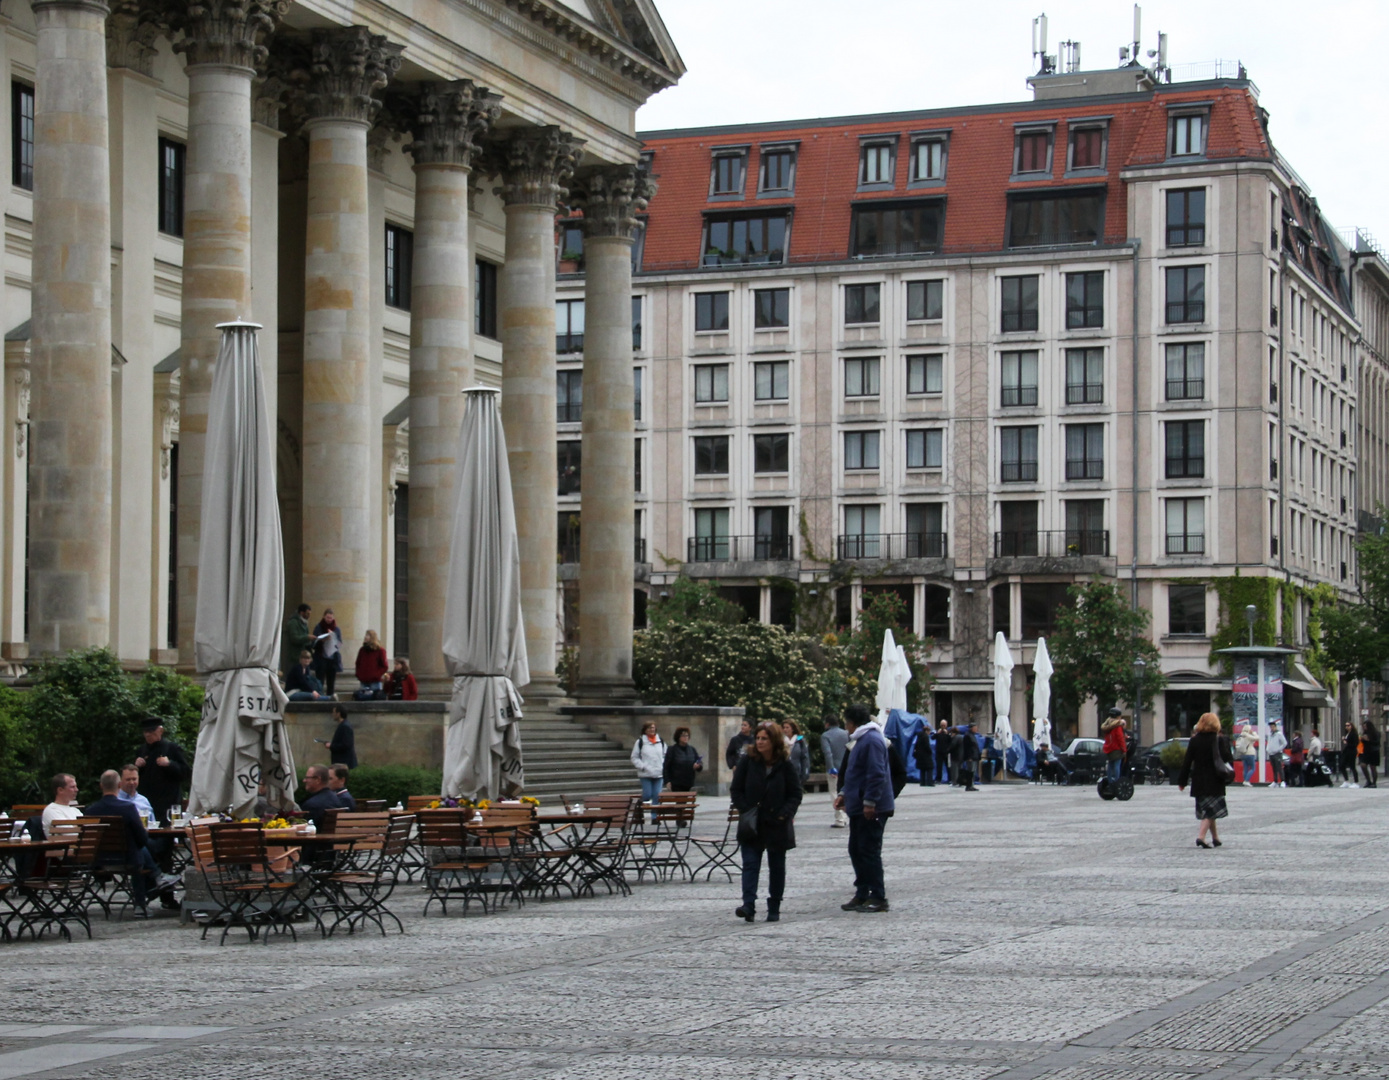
(612, 196)
(447, 121)
(132, 29)
(535, 165)
(341, 72)
(228, 32)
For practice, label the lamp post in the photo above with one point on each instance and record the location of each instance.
(1140, 668)
(1251, 615)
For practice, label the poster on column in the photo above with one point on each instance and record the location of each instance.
(1244, 689)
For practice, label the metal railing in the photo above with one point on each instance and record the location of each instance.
(569, 412)
(909, 545)
(1185, 389)
(1018, 395)
(1051, 543)
(1012, 472)
(1186, 543)
(761, 548)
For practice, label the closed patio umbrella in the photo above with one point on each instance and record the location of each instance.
(1041, 695)
(241, 584)
(893, 676)
(1003, 692)
(484, 637)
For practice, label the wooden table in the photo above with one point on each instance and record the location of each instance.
(34, 845)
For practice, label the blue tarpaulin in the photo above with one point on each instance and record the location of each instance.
(902, 729)
(1021, 758)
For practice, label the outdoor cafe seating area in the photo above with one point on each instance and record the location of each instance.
(370, 870)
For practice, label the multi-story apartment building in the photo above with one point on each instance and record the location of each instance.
(976, 355)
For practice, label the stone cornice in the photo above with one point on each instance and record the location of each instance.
(611, 197)
(231, 33)
(447, 121)
(616, 56)
(535, 165)
(337, 72)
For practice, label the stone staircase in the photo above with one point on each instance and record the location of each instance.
(564, 757)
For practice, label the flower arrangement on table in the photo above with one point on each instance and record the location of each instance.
(529, 800)
(248, 821)
(278, 823)
(451, 803)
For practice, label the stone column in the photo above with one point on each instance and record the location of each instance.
(70, 470)
(535, 166)
(448, 121)
(223, 42)
(612, 197)
(346, 67)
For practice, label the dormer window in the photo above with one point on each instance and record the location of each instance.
(877, 163)
(726, 173)
(1032, 151)
(928, 159)
(1187, 135)
(1087, 148)
(778, 170)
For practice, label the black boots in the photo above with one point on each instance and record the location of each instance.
(747, 912)
(774, 911)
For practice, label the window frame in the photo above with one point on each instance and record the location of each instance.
(1028, 320)
(717, 157)
(771, 367)
(925, 373)
(1023, 437)
(1179, 235)
(924, 285)
(1186, 390)
(709, 446)
(929, 445)
(869, 380)
(1086, 127)
(863, 291)
(1090, 312)
(1019, 388)
(1186, 309)
(922, 139)
(399, 259)
(860, 446)
(1065, 199)
(1087, 465)
(170, 218)
(1085, 391)
(1175, 120)
(565, 228)
(711, 370)
(781, 305)
(762, 439)
(1189, 462)
(565, 340)
(873, 144)
(791, 150)
(897, 207)
(749, 256)
(571, 451)
(1191, 600)
(21, 164)
(1032, 131)
(1186, 536)
(485, 276)
(715, 310)
(638, 322)
(568, 410)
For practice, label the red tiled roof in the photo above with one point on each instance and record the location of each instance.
(977, 174)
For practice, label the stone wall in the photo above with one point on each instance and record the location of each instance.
(710, 729)
(387, 732)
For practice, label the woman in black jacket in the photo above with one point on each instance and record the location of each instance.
(1369, 754)
(682, 762)
(767, 793)
(1207, 781)
(1350, 754)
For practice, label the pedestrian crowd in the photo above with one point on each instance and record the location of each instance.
(311, 660)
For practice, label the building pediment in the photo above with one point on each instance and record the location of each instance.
(627, 35)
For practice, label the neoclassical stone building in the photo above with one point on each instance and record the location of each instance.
(377, 185)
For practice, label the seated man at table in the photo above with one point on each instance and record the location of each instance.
(161, 847)
(145, 879)
(337, 782)
(322, 798)
(64, 805)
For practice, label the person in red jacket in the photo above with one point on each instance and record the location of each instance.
(400, 685)
(1116, 744)
(372, 667)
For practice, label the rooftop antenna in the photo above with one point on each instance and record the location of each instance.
(1137, 32)
(1070, 52)
(1160, 70)
(1046, 65)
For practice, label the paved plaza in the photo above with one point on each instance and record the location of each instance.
(1034, 932)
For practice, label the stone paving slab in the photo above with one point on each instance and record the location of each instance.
(1034, 932)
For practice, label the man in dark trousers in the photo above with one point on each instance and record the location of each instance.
(866, 796)
(969, 757)
(944, 742)
(163, 769)
(342, 748)
(925, 759)
(145, 878)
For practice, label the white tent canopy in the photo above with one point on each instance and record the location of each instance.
(1041, 695)
(1003, 692)
(241, 584)
(484, 637)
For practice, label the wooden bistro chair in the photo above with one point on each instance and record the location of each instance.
(604, 852)
(718, 851)
(665, 841)
(65, 890)
(254, 896)
(451, 871)
(360, 893)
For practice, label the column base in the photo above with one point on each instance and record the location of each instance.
(606, 691)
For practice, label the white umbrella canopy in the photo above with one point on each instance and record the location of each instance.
(484, 636)
(242, 741)
(1041, 695)
(1003, 692)
(893, 676)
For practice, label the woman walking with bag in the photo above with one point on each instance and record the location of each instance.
(1350, 754)
(1209, 766)
(1369, 753)
(767, 792)
(649, 759)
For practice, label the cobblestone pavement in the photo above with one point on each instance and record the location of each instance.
(1034, 932)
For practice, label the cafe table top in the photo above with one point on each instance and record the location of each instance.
(15, 846)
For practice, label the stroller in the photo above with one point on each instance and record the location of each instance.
(1316, 773)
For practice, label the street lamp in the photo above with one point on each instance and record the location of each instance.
(1140, 668)
(1251, 615)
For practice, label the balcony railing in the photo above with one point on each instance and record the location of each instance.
(762, 548)
(1018, 395)
(569, 412)
(1053, 543)
(1186, 543)
(1186, 389)
(1012, 472)
(910, 545)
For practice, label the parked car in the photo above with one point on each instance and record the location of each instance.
(1083, 760)
(1149, 768)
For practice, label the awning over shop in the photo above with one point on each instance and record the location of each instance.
(1302, 689)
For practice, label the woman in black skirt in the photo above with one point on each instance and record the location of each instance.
(1207, 781)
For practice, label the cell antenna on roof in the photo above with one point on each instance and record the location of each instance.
(1046, 65)
(1137, 32)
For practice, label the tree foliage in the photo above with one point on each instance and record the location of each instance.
(861, 650)
(1096, 639)
(1356, 636)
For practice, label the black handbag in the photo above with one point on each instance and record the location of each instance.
(747, 826)
(1222, 767)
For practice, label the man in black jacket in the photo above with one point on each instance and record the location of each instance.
(322, 798)
(969, 757)
(337, 781)
(342, 748)
(163, 768)
(737, 745)
(145, 878)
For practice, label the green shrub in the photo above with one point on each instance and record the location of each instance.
(1173, 757)
(18, 779)
(394, 783)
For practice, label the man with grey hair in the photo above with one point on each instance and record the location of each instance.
(322, 797)
(145, 878)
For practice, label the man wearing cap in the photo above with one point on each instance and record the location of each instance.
(163, 768)
(1277, 743)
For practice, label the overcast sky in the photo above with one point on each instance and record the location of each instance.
(1316, 66)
